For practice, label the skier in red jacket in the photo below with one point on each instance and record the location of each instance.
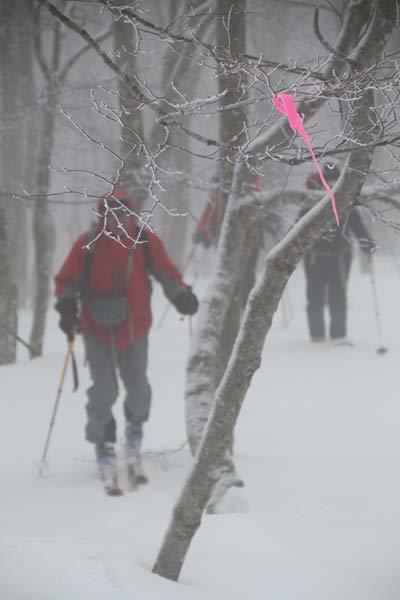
(103, 290)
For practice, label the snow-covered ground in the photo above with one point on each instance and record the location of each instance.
(317, 444)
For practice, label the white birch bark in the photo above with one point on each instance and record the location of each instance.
(231, 33)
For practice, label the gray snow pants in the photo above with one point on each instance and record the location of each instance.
(103, 364)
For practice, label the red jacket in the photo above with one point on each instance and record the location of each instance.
(210, 220)
(107, 275)
(209, 223)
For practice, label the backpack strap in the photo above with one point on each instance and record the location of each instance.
(84, 280)
(91, 236)
(146, 250)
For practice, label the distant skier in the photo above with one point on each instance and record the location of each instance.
(327, 267)
(108, 284)
(209, 226)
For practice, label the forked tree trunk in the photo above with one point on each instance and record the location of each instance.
(202, 376)
(262, 304)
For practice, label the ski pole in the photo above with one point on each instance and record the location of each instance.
(190, 328)
(381, 348)
(69, 354)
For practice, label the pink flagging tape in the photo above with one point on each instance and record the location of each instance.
(286, 105)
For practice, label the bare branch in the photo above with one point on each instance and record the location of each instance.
(135, 91)
(74, 59)
(38, 45)
(164, 32)
(326, 44)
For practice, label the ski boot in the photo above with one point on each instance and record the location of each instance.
(136, 474)
(106, 462)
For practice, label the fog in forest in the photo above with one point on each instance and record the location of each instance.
(199, 284)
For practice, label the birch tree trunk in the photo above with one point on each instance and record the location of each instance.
(231, 33)
(263, 302)
(197, 403)
(207, 348)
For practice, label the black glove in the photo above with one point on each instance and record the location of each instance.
(68, 309)
(186, 302)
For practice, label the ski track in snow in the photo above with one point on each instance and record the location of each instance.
(317, 444)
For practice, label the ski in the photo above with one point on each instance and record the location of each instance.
(136, 476)
(109, 479)
(343, 343)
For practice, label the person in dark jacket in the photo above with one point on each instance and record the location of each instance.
(327, 267)
(103, 289)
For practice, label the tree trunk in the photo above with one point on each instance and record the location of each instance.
(8, 295)
(175, 228)
(133, 174)
(42, 221)
(262, 304)
(28, 136)
(176, 68)
(201, 373)
(9, 150)
(43, 226)
(231, 33)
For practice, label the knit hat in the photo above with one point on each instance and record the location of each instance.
(115, 200)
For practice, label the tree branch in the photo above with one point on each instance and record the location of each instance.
(38, 46)
(164, 32)
(135, 91)
(73, 60)
(326, 44)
